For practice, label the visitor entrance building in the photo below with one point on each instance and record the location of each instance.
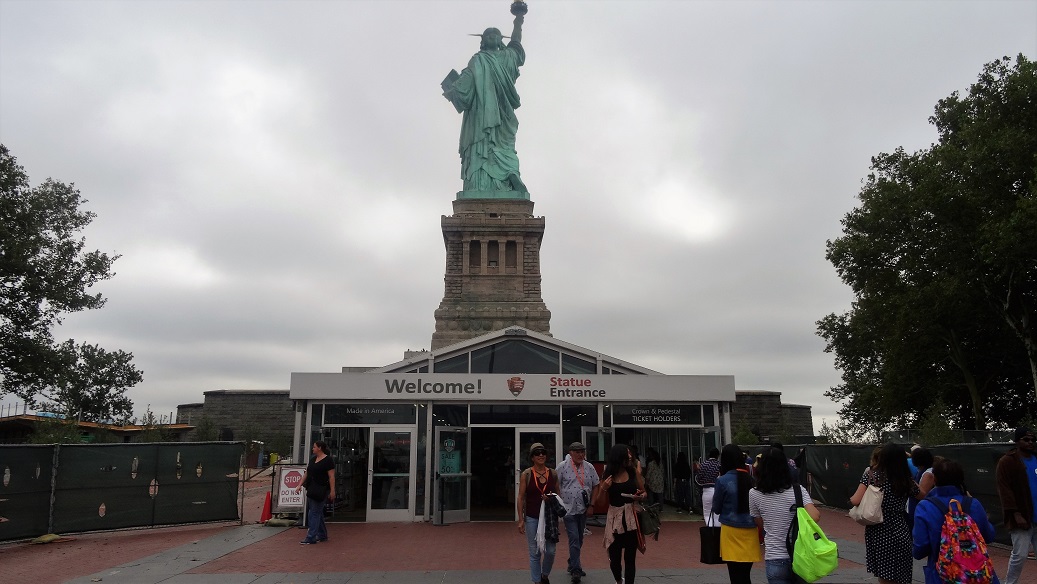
(442, 436)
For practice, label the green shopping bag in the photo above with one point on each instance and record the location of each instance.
(814, 556)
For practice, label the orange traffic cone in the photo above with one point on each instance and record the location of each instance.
(265, 515)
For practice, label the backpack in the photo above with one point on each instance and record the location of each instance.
(813, 555)
(963, 557)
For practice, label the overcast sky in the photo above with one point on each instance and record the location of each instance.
(273, 173)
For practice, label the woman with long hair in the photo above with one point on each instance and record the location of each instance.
(948, 479)
(770, 503)
(888, 544)
(739, 538)
(319, 480)
(622, 485)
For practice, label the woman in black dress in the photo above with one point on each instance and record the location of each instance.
(888, 544)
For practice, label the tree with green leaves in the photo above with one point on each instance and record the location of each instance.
(46, 273)
(91, 383)
(744, 435)
(942, 257)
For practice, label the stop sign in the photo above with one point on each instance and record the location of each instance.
(292, 479)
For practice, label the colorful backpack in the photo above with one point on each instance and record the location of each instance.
(963, 557)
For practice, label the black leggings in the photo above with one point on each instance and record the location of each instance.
(624, 549)
(739, 572)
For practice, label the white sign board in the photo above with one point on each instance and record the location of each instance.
(565, 389)
(288, 499)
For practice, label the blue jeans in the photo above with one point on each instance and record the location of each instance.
(538, 567)
(574, 526)
(316, 529)
(779, 571)
(1022, 540)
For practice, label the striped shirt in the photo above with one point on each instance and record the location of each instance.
(709, 470)
(774, 508)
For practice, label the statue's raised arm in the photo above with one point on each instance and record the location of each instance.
(516, 30)
(484, 92)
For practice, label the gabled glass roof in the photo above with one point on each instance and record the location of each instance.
(515, 350)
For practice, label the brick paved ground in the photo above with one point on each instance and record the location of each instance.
(415, 552)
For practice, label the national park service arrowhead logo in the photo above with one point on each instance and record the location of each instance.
(515, 385)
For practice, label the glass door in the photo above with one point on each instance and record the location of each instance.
(598, 442)
(452, 486)
(391, 486)
(526, 437)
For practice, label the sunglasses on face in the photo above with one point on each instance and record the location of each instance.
(539, 453)
(1026, 439)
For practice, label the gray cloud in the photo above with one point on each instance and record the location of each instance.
(273, 173)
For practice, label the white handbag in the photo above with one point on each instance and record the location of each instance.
(869, 512)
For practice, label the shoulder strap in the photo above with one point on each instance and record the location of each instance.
(799, 495)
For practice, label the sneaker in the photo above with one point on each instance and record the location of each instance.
(583, 574)
(576, 579)
(586, 531)
(321, 539)
(544, 579)
(680, 510)
(307, 542)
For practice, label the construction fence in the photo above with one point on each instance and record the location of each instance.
(69, 488)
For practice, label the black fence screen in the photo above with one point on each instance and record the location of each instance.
(26, 473)
(835, 471)
(82, 487)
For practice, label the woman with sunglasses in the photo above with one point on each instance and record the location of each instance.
(537, 484)
(623, 485)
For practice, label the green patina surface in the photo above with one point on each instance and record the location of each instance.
(484, 93)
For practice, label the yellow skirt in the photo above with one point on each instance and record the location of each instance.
(740, 544)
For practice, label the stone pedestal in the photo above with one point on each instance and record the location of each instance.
(492, 278)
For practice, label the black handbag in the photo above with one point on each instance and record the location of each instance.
(710, 539)
(648, 520)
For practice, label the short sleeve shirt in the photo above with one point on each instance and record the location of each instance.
(573, 480)
(776, 511)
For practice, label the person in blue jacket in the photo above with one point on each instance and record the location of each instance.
(739, 538)
(929, 515)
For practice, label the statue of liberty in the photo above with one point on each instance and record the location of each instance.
(485, 93)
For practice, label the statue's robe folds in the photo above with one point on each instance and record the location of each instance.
(485, 93)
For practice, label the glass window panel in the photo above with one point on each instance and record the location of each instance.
(572, 364)
(573, 419)
(457, 364)
(514, 356)
(709, 415)
(514, 414)
(370, 413)
(696, 415)
(449, 415)
(317, 420)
